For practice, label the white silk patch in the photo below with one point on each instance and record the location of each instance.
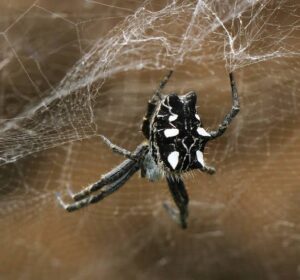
(173, 159)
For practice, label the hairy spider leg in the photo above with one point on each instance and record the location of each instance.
(208, 169)
(106, 179)
(234, 110)
(181, 199)
(162, 84)
(108, 190)
(157, 96)
(115, 173)
(118, 150)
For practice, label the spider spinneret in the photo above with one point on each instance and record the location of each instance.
(175, 144)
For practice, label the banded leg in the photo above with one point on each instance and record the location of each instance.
(209, 169)
(106, 179)
(108, 190)
(162, 84)
(234, 110)
(118, 150)
(114, 174)
(152, 105)
(181, 199)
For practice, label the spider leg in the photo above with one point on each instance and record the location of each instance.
(181, 199)
(209, 169)
(107, 178)
(162, 84)
(152, 103)
(114, 174)
(109, 189)
(117, 149)
(234, 110)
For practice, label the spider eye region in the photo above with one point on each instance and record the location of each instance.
(177, 138)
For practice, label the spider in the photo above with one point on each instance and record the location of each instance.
(175, 144)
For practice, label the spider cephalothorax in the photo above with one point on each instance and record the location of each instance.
(175, 144)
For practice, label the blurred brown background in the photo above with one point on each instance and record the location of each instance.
(72, 70)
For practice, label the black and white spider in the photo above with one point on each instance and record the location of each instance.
(175, 144)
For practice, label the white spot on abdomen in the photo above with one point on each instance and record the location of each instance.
(199, 155)
(173, 117)
(171, 132)
(197, 117)
(173, 159)
(201, 131)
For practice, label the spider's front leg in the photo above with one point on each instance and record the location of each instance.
(106, 179)
(117, 172)
(181, 199)
(106, 191)
(110, 182)
(157, 97)
(162, 84)
(234, 110)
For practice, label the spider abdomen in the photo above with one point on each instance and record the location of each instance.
(177, 139)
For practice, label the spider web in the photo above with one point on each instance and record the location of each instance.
(72, 70)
